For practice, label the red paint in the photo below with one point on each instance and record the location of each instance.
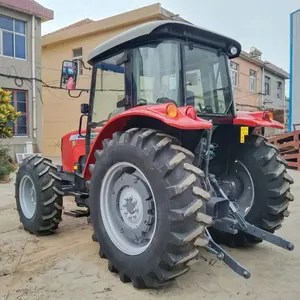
(254, 119)
(191, 112)
(117, 123)
(71, 151)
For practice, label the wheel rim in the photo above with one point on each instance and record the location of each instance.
(27, 196)
(128, 208)
(242, 187)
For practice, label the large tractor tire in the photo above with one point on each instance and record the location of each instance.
(147, 207)
(38, 195)
(262, 189)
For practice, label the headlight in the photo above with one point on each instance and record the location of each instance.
(233, 50)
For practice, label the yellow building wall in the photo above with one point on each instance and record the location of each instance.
(60, 112)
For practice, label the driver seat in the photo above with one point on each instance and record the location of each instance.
(190, 96)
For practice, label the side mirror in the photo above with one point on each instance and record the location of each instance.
(68, 75)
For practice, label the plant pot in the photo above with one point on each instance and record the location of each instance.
(5, 179)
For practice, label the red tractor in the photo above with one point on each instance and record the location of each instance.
(174, 170)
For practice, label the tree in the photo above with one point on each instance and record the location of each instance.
(8, 115)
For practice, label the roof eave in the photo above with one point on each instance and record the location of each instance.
(135, 16)
(262, 63)
(284, 75)
(39, 11)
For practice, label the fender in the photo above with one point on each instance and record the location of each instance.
(118, 122)
(256, 119)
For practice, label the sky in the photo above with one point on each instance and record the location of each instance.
(264, 24)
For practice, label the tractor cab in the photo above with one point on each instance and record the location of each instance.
(161, 62)
(155, 64)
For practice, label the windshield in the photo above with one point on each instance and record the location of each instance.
(156, 72)
(207, 82)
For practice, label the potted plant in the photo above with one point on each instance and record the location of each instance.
(7, 165)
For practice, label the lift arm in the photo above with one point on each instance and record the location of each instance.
(226, 218)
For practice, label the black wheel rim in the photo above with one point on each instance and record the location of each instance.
(242, 185)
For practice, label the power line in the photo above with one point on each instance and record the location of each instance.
(44, 84)
(30, 79)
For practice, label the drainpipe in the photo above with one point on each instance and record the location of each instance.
(33, 76)
(262, 85)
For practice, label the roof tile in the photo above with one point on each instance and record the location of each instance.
(30, 7)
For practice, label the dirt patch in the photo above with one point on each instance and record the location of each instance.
(66, 265)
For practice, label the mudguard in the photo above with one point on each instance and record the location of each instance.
(255, 119)
(118, 122)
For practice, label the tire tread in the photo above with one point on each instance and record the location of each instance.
(50, 199)
(185, 228)
(278, 183)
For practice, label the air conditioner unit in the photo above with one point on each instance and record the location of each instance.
(21, 156)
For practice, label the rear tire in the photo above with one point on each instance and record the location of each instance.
(38, 195)
(271, 191)
(176, 216)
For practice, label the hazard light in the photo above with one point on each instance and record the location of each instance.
(268, 116)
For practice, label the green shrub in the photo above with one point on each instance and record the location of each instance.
(8, 115)
(6, 163)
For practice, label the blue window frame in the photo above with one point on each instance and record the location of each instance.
(13, 38)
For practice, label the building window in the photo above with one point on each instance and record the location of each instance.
(77, 54)
(234, 73)
(252, 81)
(279, 90)
(20, 103)
(267, 85)
(12, 37)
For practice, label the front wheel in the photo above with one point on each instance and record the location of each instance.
(38, 195)
(260, 185)
(147, 206)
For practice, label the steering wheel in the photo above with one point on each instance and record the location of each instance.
(195, 97)
(200, 107)
(142, 101)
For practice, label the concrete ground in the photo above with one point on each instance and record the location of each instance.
(67, 266)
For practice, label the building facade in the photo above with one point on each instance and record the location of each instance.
(294, 99)
(20, 56)
(260, 85)
(246, 80)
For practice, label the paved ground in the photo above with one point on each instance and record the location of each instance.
(66, 265)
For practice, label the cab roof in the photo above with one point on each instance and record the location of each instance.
(163, 29)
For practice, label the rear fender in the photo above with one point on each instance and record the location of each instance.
(158, 112)
(255, 119)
